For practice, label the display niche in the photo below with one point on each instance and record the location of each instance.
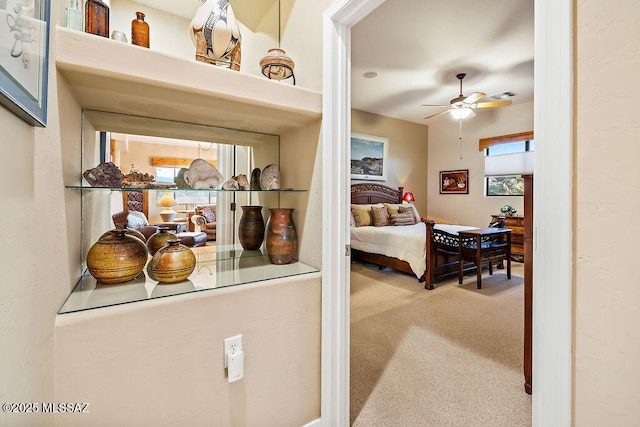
(161, 147)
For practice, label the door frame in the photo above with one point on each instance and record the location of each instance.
(553, 207)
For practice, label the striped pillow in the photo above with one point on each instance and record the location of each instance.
(402, 219)
(412, 211)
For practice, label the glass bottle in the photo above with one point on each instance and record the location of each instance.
(73, 16)
(96, 18)
(140, 31)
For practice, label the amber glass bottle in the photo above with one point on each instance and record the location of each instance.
(96, 18)
(140, 31)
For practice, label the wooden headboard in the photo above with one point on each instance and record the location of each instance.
(369, 193)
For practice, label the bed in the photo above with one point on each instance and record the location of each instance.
(427, 250)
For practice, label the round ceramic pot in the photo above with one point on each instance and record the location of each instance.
(131, 232)
(172, 263)
(277, 65)
(282, 238)
(159, 239)
(251, 228)
(116, 257)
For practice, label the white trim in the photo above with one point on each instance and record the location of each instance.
(315, 423)
(552, 224)
(553, 219)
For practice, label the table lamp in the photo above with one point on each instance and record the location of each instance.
(408, 197)
(167, 201)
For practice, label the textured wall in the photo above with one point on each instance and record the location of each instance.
(607, 297)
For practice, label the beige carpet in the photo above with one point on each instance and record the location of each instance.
(447, 357)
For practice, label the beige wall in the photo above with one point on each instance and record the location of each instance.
(407, 152)
(161, 362)
(607, 202)
(444, 154)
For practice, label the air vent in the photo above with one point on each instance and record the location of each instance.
(503, 95)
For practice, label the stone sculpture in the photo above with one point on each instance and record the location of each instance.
(255, 179)
(203, 175)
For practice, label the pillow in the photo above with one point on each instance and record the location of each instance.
(380, 216)
(393, 208)
(352, 220)
(208, 214)
(413, 213)
(402, 219)
(362, 215)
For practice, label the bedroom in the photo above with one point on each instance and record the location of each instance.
(417, 153)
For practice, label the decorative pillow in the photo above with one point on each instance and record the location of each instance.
(352, 220)
(392, 209)
(362, 215)
(411, 211)
(380, 216)
(402, 219)
(208, 214)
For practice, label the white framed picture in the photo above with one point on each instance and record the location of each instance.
(369, 157)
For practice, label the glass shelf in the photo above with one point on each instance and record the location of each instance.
(216, 267)
(198, 190)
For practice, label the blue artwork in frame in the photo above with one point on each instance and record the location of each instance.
(24, 58)
(369, 157)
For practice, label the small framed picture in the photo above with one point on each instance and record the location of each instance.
(369, 157)
(454, 182)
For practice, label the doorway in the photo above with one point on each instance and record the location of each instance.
(552, 224)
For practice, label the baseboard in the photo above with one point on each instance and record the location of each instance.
(314, 423)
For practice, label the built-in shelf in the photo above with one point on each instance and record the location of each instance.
(111, 76)
(189, 190)
(217, 267)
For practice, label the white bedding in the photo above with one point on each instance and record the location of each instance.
(407, 243)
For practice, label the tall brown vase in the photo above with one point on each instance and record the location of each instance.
(116, 257)
(282, 238)
(251, 228)
(140, 31)
(96, 18)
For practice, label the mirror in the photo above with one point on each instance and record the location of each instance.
(161, 148)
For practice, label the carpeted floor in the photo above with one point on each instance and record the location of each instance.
(447, 357)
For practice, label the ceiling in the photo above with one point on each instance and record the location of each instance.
(418, 46)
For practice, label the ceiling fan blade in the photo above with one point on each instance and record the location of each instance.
(491, 104)
(434, 105)
(476, 96)
(437, 114)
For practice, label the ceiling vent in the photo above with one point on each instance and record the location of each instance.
(503, 95)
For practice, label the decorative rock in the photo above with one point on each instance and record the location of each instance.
(179, 179)
(255, 179)
(243, 182)
(270, 177)
(106, 174)
(136, 176)
(203, 175)
(231, 184)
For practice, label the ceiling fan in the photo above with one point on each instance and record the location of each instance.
(462, 106)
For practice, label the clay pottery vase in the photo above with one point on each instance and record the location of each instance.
(251, 228)
(215, 33)
(139, 31)
(116, 257)
(172, 263)
(159, 239)
(282, 238)
(277, 65)
(131, 232)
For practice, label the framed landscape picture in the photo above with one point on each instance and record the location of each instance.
(454, 182)
(24, 51)
(369, 157)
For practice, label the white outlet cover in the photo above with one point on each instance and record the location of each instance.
(231, 344)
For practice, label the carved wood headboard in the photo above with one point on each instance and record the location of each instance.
(370, 193)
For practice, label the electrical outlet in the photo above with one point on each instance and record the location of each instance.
(231, 345)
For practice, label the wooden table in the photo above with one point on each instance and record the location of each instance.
(484, 245)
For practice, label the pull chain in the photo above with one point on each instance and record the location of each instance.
(460, 138)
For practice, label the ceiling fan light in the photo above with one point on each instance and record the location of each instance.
(461, 113)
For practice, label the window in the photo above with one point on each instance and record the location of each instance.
(512, 185)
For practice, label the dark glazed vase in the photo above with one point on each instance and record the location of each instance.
(251, 228)
(116, 257)
(172, 263)
(159, 239)
(282, 238)
(96, 18)
(139, 31)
